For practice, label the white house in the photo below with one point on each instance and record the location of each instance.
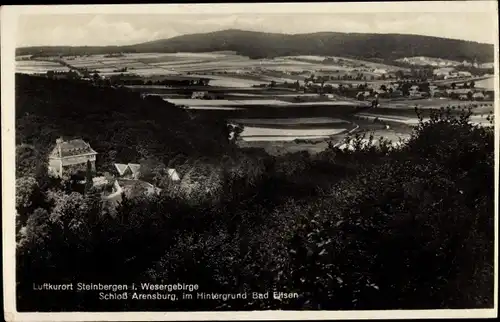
(443, 71)
(70, 156)
(380, 71)
(479, 96)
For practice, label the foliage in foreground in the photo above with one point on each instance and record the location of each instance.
(375, 228)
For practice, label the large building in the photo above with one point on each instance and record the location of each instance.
(70, 156)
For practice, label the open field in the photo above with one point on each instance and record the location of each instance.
(488, 83)
(428, 103)
(289, 121)
(38, 67)
(255, 133)
(341, 62)
(423, 60)
(271, 116)
(241, 68)
(193, 103)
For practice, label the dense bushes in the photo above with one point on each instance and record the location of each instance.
(375, 228)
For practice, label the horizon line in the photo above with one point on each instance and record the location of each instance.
(262, 32)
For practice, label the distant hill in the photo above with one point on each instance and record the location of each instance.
(267, 45)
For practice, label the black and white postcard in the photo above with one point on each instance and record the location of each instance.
(250, 161)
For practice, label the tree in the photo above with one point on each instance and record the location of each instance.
(322, 86)
(297, 86)
(472, 84)
(28, 197)
(383, 87)
(88, 177)
(35, 231)
(453, 85)
(405, 89)
(27, 159)
(96, 78)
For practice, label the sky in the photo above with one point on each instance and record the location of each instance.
(122, 29)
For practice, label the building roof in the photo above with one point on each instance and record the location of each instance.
(134, 167)
(121, 168)
(459, 91)
(173, 174)
(71, 148)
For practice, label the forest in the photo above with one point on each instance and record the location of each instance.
(376, 228)
(269, 45)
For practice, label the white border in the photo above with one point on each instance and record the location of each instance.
(8, 21)
(263, 8)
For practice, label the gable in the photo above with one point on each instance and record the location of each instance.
(55, 153)
(121, 168)
(134, 168)
(174, 176)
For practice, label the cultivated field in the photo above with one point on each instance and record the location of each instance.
(242, 71)
(488, 83)
(38, 67)
(255, 133)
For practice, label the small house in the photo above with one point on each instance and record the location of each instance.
(414, 88)
(478, 96)
(396, 93)
(363, 95)
(132, 171)
(380, 71)
(442, 71)
(199, 95)
(174, 176)
(124, 171)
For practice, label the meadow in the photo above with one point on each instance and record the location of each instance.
(488, 83)
(252, 71)
(38, 67)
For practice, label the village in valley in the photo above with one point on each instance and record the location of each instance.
(283, 104)
(286, 104)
